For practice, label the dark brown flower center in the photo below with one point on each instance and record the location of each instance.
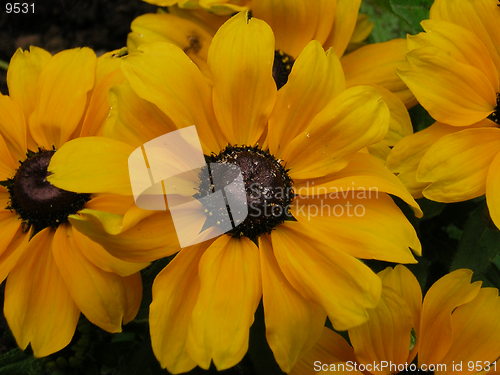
(267, 187)
(282, 67)
(495, 116)
(38, 203)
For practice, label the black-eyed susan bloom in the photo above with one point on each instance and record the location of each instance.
(53, 271)
(454, 330)
(333, 23)
(294, 146)
(453, 69)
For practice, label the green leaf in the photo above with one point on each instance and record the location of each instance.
(479, 248)
(412, 11)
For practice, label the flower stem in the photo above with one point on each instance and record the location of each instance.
(4, 65)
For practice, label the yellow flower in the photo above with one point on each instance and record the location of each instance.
(222, 7)
(456, 327)
(53, 271)
(453, 69)
(309, 138)
(334, 23)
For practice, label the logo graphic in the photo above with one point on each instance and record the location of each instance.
(204, 200)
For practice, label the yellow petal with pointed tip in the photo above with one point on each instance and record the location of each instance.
(315, 79)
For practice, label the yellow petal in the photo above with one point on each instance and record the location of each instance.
(241, 59)
(296, 22)
(351, 121)
(405, 157)
(386, 335)
(133, 120)
(92, 165)
(479, 16)
(108, 74)
(175, 291)
(459, 43)
(375, 64)
(23, 74)
(362, 173)
(149, 239)
(193, 38)
(363, 29)
(13, 242)
(329, 355)
(293, 324)
(101, 258)
(457, 165)
(13, 127)
(38, 306)
(476, 330)
(452, 92)
(99, 295)
(133, 296)
(354, 224)
(315, 79)
(445, 295)
(338, 282)
(61, 96)
(163, 75)
(8, 165)
(346, 15)
(492, 189)
(230, 290)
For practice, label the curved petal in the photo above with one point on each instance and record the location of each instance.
(38, 306)
(241, 59)
(101, 258)
(351, 121)
(404, 158)
(230, 291)
(296, 22)
(8, 166)
(315, 79)
(359, 219)
(476, 329)
(386, 335)
(133, 120)
(23, 74)
(108, 74)
(330, 353)
(479, 16)
(13, 127)
(99, 295)
(163, 75)
(175, 291)
(362, 173)
(193, 38)
(149, 239)
(492, 189)
(346, 15)
(457, 165)
(341, 284)
(376, 64)
(436, 332)
(92, 165)
(459, 43)
(452, 92)
(133, 296)
(61, 96)
(13, 242)
(293, 324)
